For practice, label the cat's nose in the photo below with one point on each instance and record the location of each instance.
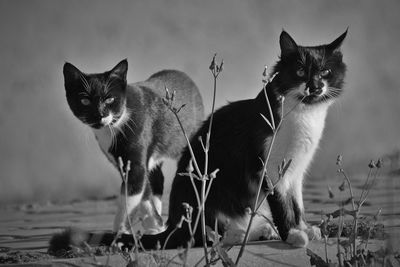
(316, 91)
(315, 87)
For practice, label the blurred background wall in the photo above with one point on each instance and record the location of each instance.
(47, 154)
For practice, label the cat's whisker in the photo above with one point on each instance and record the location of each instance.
(122, 132)
(129, 127)
(335, 89)
(85, 83)
(131, 120)
(113, 137)
(109, 85)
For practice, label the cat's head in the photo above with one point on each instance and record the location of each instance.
(99, 99)
(313, 74)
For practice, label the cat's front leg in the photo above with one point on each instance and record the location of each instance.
(130, 197)
(313, 232)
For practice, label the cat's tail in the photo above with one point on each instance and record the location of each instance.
(61, 243)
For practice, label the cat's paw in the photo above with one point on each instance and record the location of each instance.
(233, 237)
(313, 233)
(268, 233)
(152, 225)
(297, 238)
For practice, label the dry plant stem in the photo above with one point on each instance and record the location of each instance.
(369, 230)
(125, 175)
(170, 260)
(195, 191)
(205, 174)
(209, 187)
(254, 211)
(202, 198)
(209, 251)
(275, 131)
(365, 186)
(326, 248)
(196, 166)
(355, 224)
(168, 237)
(340, 227)
(197, 170)
(369, 189)
(270, 222)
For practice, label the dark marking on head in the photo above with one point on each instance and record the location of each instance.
(313, 66)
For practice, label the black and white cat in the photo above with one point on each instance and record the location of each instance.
(309, 78)
(131, 121)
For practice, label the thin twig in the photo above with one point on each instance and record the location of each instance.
(125, 178)
(246, 237)
(355, 219)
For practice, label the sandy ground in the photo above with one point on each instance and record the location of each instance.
(29, 227)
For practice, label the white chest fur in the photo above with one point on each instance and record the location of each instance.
(105, 140)
(297, 140)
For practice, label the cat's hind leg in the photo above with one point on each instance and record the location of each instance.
(156, 179)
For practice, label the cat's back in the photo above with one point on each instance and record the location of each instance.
(187, 93)
(174, 80)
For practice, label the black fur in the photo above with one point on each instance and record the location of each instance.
(239, 140)
(312, 60)
(238, 143)
(151, 130)
(156, 179)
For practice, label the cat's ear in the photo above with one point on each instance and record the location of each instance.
(71, 73)
(288, 45)
(335, 45)
(120, 70)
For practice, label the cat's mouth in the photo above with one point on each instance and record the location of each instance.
(312, 95)
(105, 121)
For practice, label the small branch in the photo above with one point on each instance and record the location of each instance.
(125, 178)
(169, 236)
(264, 172)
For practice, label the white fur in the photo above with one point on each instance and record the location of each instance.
(154, 160)
(103, 136)
(149, 218)
(297, 238)
(157, 204)
(236, 227)
(126, 205)
(122, 119)
(297, 139)
(107, 120)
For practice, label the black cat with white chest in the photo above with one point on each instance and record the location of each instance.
(131, 121)
(309, 79)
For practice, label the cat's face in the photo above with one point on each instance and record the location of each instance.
(98, 100)
(310, 74)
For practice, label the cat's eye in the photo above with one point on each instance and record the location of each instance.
(85, 101)
(325, 73)
(109, 100)
(300, 73)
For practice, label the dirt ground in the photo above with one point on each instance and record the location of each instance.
(27, 228)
